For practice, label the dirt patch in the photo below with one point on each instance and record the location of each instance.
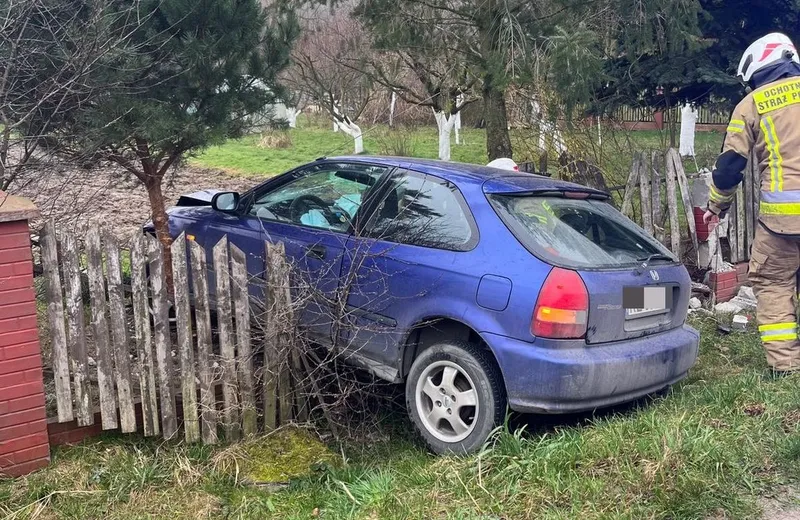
(780, 509)
(755, 409)
(78, 198)
(790, 421)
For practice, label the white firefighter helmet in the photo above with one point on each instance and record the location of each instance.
(766, 51)
(504, 163)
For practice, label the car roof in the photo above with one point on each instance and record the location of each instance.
(493, 180)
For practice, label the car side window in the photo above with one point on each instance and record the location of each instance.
(325, 196)
(423, 210)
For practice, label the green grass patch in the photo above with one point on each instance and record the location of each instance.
(276, 152)
(718, 441)
(248, 156)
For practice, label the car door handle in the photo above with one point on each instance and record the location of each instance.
(316, 252)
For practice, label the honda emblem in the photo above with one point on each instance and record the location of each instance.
(654, 275)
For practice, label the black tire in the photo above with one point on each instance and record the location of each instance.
(475, 367)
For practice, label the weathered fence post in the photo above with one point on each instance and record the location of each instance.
(226, 341)
(633, 177)
(24, 445)
(683, 184)
(164, 364)
(672, 203)
(658, 216)
(183, 318)
(244, 353)
(644, 190)
(97, 293)
(202, 313)
(119, 335)
(144, 337)
(280, 302)
(55, 314)
(76, 329)
(271, 360)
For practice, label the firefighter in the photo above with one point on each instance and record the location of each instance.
(767, 121)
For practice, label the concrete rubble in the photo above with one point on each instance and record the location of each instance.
(739, 322)
(694, 303)
(745, 300)
(747, 293)
(730, 307)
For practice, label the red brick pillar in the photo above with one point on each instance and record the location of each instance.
(24, 445)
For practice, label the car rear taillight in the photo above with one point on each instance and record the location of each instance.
(562, 307)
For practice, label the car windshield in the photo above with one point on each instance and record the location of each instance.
(576, 233)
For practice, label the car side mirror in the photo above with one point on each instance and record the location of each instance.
(226, 201)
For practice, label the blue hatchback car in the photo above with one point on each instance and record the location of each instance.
(477, 288)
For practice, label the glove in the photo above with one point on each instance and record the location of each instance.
(709, 215)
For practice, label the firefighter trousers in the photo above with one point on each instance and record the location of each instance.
(774, 263)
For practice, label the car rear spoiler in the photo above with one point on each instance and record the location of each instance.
(198, 198)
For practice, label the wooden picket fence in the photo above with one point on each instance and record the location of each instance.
(660, 185)
(143, 371)
(657, 213)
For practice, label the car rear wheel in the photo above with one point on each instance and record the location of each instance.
(455, 396)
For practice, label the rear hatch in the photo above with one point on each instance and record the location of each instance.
(573, 227)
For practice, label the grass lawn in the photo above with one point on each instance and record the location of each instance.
(311, 140)
(720, 440)
(247, 157)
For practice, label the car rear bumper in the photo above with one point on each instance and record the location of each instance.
(574, 377)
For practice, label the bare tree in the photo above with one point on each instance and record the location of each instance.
(328, 64)
(439, 80)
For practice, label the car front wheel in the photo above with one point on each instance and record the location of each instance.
(455, 396)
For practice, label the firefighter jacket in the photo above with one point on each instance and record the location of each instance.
(766, 121)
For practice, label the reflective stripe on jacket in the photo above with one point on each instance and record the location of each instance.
(767, 121)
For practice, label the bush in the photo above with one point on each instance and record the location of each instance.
(275, 139)
(399, 143)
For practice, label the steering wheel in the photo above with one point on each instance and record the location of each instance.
(304, 203)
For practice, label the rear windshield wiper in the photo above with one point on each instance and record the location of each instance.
(654, 256)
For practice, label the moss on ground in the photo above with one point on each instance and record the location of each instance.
(284, 455)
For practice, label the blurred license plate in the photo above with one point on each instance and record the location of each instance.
(639, 301)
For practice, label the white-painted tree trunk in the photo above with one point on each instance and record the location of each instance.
(392, 104)
(354, 131)
(457, 124)
(291, 116)
(445, 124)
(349, 127)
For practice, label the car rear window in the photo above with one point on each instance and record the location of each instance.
(576, 233)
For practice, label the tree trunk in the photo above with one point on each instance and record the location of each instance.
(392, 104)
(445, 124)
(498, 142)
(291, 116)
(354, 131)
(358, 141)
(161, 223)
